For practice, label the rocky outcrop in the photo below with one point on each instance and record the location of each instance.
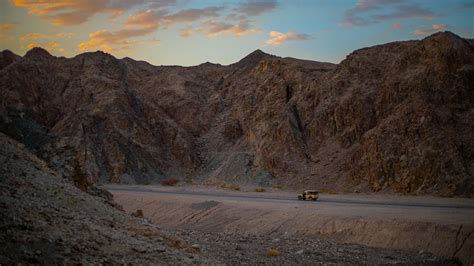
(394, 117)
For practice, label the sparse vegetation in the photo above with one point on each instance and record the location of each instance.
(328, 191)
(230, 186)
(273, 253)
(222, 184)
(259, 189)
(169, 182)
(138, 213)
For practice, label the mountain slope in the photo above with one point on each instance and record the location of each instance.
(46, 220)
(393, 117)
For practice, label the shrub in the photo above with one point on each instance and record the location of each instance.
(273, 253)
(230, 186)
(259, 189)
(138, 213)
(169, 182)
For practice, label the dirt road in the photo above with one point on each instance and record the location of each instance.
(442, 226)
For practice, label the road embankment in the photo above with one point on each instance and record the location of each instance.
(443, 227)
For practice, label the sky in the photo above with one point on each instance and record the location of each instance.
(191, 32)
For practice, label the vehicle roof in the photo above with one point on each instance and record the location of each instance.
(311, 191)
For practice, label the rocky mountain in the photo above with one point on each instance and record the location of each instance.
(393, 117)
(46, 220)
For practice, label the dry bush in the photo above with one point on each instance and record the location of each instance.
(174, 243)
(222, 184)
(277, 186)
(259, 189)
(230, 186)
(273, 253)
(169, 182)
(138, 213)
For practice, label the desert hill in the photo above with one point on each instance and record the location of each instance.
(393, 117)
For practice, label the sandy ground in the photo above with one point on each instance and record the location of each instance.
(442, 226)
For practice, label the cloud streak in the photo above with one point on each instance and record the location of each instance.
(434, 28)
(215, 28)
(367, 12)
(278, 38)
(5, 29)
(75, 12)
(142, 23)
(253, 8)
(39, 36)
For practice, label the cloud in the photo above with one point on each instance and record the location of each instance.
(396, 26)
(186, 32)
(5, 28)
(278, 38)
(39, 36)
(214, 28)
(113, 41)
(161, 17)
(190, 15)
(50, 46)
(146, 18)
(434, 28)
(253, 8)
(367, 12)
(74, 12)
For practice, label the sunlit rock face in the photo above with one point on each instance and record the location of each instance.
(394, 117)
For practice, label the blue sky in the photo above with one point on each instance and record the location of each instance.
(190, 32)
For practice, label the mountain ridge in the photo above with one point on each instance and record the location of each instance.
(390, 117)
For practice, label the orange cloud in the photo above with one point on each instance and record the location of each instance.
(146, 18)
(396, 26)
(50, 46)
(277, 38)
(214, 28)
(113, 41)
(74, 12)
(143, 23)
(5, 28)
(38, 36)
(434, 28)
(186, 32)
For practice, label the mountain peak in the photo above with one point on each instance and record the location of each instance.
(253, 58)
(37, 53)
(446, 40)
(443, 36)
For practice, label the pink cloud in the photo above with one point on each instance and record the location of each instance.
(278, 38)
(434, 28)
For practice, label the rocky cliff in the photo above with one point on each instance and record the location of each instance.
(394, 117)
